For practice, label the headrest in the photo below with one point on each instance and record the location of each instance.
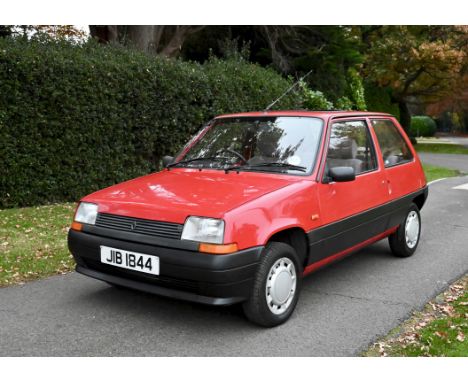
(342, 148)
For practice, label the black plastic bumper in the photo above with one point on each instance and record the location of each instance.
(184, 272)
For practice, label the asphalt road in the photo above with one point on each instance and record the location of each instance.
(342, 309)
(456, 161)
(462, 141)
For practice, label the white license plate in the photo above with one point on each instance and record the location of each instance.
(130, 260)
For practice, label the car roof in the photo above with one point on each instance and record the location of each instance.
(325, 114)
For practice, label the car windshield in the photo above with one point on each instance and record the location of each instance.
(267, 144)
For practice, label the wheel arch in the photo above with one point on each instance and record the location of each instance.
(420, 200)
(296, 238)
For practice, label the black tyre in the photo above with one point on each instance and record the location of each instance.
(406, 239)
(276, 286)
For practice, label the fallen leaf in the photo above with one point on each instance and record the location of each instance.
(461, 337)
(441, 334)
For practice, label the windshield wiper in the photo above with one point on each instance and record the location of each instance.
(280, 164)
(268, 164)
(193, 160)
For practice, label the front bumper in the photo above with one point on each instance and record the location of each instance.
(185, 273)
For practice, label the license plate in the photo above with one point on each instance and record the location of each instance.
(130, 260)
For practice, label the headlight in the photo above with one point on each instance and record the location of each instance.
(204, 230)
(86, 213)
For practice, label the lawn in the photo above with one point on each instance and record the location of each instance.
(33, 242)
(440, 148)
(441, 329)
(435, 172)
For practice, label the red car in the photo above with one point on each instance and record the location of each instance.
(252, 204)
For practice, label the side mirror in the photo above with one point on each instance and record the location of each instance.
(167, 160)
(342, 174)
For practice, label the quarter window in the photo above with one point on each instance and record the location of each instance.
(351, 146)
(393, 146)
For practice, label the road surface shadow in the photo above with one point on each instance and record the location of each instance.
(143, 306)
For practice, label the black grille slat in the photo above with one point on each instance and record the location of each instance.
(125, 219)
(142, 226)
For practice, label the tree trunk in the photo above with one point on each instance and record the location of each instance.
(156, 39)
(104, 33)
(405, 115)
(141, 37)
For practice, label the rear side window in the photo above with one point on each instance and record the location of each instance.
(351, 146)
(393, 146)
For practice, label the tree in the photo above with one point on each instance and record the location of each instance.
(69, 32)
(416, 62)
(454, 104)
(156, 39)
(292, 50)
(6, 30)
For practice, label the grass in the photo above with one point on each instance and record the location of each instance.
(441, 329)
(440, 148)
(33, 242)
(435, 172)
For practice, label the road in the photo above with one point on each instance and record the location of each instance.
(342, 308)
(462, 141)
(456, 161)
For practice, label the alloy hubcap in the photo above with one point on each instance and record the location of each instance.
(412, 229)
(281, 285)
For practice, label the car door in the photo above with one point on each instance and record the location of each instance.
(349, 210)
(401, 170)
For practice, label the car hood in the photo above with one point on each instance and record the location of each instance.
(173, 195)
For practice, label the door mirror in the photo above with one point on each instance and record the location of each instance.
(342, 174)
(167, 160)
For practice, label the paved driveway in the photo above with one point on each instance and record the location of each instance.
(462, 141)
(342, 308)
(456, 161)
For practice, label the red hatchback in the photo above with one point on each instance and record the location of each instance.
(252, 204)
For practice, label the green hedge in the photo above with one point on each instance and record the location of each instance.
(74, 119)
(422, 126)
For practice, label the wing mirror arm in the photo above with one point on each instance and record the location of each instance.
(167, 160)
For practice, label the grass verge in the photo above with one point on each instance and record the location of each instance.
(440, 329)
(435, 172)
(33, 242)
(440, 148)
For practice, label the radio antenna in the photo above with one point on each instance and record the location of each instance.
(287, 91)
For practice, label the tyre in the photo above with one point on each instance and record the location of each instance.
(276, 286)
(405, 240)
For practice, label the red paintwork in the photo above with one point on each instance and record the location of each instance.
(320, 264)
(173, 195)
(257, 205)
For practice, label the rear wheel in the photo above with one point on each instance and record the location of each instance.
(276, 286)
(405, 240)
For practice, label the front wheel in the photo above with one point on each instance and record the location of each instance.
(405, 240)
(276, 286)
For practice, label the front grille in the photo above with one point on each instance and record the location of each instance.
(142, 226)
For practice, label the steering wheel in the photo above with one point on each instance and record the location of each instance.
(239, 155)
